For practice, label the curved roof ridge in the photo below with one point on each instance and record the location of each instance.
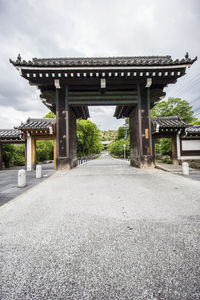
(40, 119)
(167, 118)
(103, 57)
(155, 60)
(7, 129)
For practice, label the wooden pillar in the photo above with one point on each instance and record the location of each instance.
(54, 152)
(65, 131)
(153, 150)
(174, 151)
(62, 128)
(135, 158)
(1, 156)
(140, 132)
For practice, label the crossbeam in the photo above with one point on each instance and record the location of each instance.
(71, 98)
(105, 94)
(104, 102)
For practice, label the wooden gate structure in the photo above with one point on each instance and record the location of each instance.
(134, 84)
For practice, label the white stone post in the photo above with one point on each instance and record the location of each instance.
(38, 171)
(185, 168)
(21, 178)
(29, 154)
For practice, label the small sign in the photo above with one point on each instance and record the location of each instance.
(146, 133)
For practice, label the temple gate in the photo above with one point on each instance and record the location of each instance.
(134, 84)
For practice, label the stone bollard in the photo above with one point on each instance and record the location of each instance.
(185, 168)
(38, 171)
(21, 178)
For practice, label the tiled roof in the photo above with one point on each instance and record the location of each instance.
(193, 130)
(104, 61)
(37, 124)
(167, 122)
(10, 134)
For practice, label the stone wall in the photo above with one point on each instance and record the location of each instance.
(194, 164)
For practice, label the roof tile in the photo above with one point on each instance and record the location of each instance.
(101, 61)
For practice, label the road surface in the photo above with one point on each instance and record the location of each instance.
(103, 230)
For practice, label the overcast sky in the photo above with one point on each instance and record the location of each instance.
(62, 28)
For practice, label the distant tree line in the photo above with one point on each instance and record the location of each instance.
(116, 148)
(108, 135)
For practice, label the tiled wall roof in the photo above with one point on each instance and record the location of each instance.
(10, 134)
(37, 124)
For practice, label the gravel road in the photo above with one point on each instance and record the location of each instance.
(103, 230)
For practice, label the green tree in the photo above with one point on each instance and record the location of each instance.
(50, 115)
(44, 150)
(88, 138)
(117, 148)
(121, 133)
(174, 107)
(108, 135)
(196, 122)
(8, 154)
(13, 155)
(123, 137)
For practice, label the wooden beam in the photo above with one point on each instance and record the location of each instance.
(43, 137)
(106, 93)
(127, 102)
(125, 97)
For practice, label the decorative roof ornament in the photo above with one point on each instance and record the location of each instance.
(186, 55)
(19, 58)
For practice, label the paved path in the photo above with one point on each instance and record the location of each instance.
(103, 230)
(8, 181)
(194, 173)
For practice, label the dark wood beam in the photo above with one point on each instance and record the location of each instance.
(109, 102)
(78, 98)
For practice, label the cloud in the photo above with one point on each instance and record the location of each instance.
(93, 28)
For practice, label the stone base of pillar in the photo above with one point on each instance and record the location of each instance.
(74, 163)
(146, 161)
(30, 167)
(175, 162)
(65, 163)
(135, 162)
